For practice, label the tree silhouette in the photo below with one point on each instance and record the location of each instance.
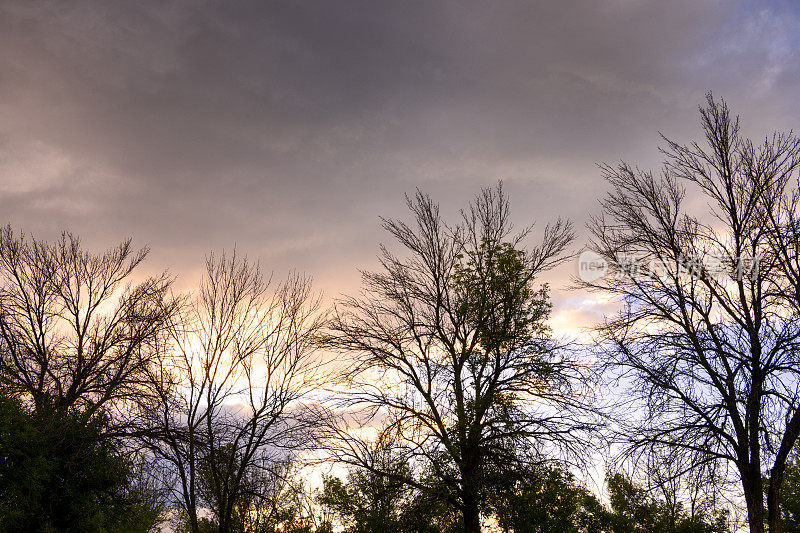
(75, 334)
(450, 349)
(225, 403)
(709, 331)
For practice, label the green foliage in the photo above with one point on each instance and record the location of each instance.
(57, 474)
(497, 296)
(369, 503)
(217, 484)
(545, 499)
(295, 512)
(428, 511)
(635, 510)
(790, 495)
(548, 500)
(366, 503)
(450, 340)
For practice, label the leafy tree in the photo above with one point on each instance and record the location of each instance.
(371, 503)
(366, 503)
(58, 474)
(547, 499)
(376, 497)
(790, 503)
(77, 340)
(634, 509)
(427, 509)
(449, 345)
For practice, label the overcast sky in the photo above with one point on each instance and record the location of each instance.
(287, 128)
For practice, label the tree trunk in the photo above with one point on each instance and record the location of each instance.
(471, 508)
(191, 511)
(194, 525)
(472, 518)
(225, 515)
(752, 481)
(754, 498)
(773, 499)
(777, 472)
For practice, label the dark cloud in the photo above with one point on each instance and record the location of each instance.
(288, 128)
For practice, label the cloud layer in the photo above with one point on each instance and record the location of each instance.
(287, 129)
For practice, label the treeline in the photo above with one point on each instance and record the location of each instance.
(439, 388)
(543, 499)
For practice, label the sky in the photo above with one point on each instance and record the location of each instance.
(286, 129)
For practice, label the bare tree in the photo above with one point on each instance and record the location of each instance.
(226, 399)
(709, 332)
(75, 333)
(684, 491)
(450, 350)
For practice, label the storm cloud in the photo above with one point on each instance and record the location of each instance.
(287, 128)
